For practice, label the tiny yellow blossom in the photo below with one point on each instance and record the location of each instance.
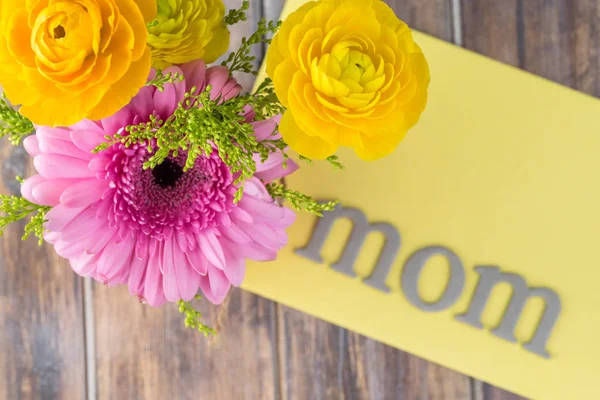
(187, 30)
(349, 74)
(66, 60)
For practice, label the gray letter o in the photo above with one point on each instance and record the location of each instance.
(412, 272)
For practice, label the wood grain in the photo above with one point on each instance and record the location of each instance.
(556, 39)
(376, 371)
(146, 353)
(41, 314)
(429, 16)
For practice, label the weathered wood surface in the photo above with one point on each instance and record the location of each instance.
(41, 315)
(267, 351)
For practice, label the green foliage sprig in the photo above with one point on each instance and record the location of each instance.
(193, 318)
(200, 124)
(335, 162)
(12, 123)
(13, 209)
(236, 15)
(300, 201)
(241, 60)
(161, 79)
(265, 102)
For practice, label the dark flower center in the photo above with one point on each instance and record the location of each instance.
(59, 32)
(167, 174)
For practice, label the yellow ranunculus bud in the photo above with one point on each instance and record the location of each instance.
(350, 74)
(187, 30)
(66, 60)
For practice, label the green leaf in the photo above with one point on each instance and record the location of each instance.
(193, 318)
(241, 60)
(300, 201)
(236, 15)
(12, 123)
(13, 209)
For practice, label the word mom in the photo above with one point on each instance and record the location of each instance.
(489, 276)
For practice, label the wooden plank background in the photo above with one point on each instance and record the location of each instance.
(63, 338)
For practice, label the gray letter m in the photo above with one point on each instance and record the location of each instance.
(360, 229)
(489, 277)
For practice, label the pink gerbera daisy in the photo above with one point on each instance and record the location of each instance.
(164, 232)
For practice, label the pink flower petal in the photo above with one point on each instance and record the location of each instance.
(58, 217)
(115, 257)
(272, 169)
(166, 102)
(88, 125)
(265, 129)
(97, 242)
(257, 252)
(85, 264)
(217, 77)
(231, 89)
(80, 228)
(143, 104)
(215, 285)
(169, 276)
(153, 284)
(115, 122)
(46, 132)
(188, 280)
(236, 265)
(181, 241)
(61, 147)
(211, 248)
(31, 145)
(195, 75)
(261, 210)
(55, 166)
(141, 247)
(68, 249)
(99, 163)
(87, 141)
(262, 234)
(239, 215)
(207, 291)
(29, 184)
(236, 235)
(198, 261)
(137, 276)
(83, 193)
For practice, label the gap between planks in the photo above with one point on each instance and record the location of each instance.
(90, 340)
(476, 386)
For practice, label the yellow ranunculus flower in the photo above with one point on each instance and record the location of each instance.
(350, 74)
(66, 60)
(187, 30)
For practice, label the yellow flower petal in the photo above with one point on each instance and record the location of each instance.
(218, 45)
(63, 59)
(188, 30)
(19, 33)
(123, 91)
(148, 9)
(308, 146)
(273, 57)
(132, 14)
(350, 74)
(377, 146)
(284, 73)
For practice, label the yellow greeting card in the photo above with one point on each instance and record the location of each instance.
(474, 245)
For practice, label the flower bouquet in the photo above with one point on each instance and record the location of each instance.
(154, 170)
